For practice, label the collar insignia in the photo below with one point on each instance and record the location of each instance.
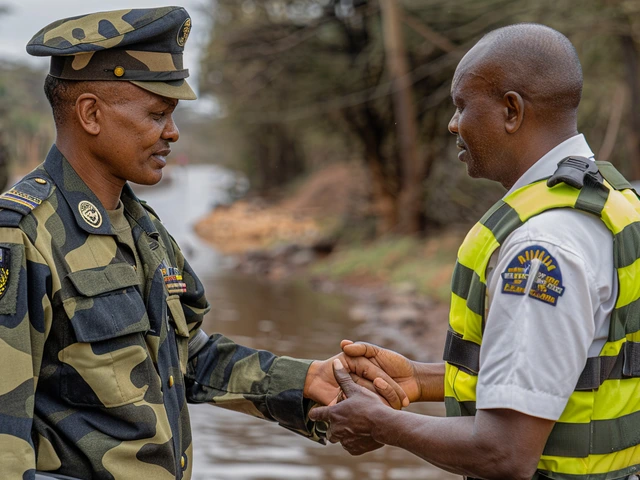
(90, 213)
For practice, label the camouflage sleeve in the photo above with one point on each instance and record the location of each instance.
(239, 378)
(25, 319)
(251, 381)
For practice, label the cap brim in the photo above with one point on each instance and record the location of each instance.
(178, 89)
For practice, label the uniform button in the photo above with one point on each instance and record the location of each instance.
(170, 381)
(182, 461)
(41, 181)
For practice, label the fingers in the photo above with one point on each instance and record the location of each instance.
(387, 392)
(366, 369)
(319, 414)
(359, 349)
(344, 379)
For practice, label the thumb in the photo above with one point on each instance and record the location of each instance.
(343, 378)
(360, 349)
(387, 392)
(319, 414)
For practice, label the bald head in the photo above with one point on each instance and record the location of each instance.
(533, 60)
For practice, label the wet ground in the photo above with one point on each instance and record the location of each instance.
(285, 318)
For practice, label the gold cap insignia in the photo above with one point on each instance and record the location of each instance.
(183, 33)
(90, 213)
(118, 71)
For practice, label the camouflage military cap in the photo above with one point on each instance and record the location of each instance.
(141, 46)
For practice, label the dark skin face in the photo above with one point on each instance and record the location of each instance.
(117, 133)
(486, 125)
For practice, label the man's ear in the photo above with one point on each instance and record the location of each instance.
(87, 113)
(514, 111)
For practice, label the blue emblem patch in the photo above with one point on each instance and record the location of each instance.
(546, 286)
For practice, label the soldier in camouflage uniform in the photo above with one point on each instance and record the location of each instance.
(100, 340)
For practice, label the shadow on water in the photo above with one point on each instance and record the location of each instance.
(285, 318)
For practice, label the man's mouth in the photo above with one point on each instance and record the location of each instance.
(162, 155)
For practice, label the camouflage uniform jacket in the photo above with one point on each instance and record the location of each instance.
(94, 365)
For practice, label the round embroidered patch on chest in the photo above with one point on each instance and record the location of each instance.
(90, 213)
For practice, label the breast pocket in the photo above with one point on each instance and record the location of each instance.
(107, 363)
(176, 316)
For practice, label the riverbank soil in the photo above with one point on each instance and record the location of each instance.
(318, 234)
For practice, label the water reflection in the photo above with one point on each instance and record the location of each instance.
(286, 318)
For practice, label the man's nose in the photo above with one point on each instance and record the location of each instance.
(453, 124)
(171, 132)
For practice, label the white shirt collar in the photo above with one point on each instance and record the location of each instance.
(547, 165)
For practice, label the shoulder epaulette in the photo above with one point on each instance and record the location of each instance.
(23, 198)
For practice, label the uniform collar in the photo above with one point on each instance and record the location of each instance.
(87, 209)
(547, 165)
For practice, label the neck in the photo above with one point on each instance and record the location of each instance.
(535, 148)
(92, 173)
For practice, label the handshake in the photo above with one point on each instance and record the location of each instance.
(359, 385)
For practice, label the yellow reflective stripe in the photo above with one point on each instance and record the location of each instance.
(456, 313)
(459, 385)
(578, 408)
(629, 284)
(631, 197)
(609, 404)
(618, 212)
(464, 321)
(592, 464)
(476, 250)
(561, 195)
(611, 349)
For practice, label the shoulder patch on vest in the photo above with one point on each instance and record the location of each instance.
(24, 196)
(536, 273)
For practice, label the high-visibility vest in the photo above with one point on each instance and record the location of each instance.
(597, 437)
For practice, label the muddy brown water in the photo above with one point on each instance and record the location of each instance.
(285, 318)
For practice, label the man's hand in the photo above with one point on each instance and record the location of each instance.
(322, 387)
(398, 367)
(352, 420)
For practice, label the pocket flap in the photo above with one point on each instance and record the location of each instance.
(177, 315)
(101, 280)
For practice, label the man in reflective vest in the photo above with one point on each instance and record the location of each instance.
(542, 359)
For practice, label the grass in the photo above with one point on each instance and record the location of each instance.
(424, 264)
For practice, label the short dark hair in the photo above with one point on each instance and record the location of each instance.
(59, 92)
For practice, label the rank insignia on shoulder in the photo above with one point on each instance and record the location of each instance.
(5, 264)
(172, 279)
(536, 273)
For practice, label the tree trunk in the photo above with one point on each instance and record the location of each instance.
(410, 199)
(630, 52)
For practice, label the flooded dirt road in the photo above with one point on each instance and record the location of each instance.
(285, 318)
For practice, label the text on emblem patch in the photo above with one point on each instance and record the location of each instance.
(90, 213)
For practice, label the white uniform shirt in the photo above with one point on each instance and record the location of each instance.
(532, 351)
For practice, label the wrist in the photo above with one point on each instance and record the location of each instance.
(430, 380)
(312, 374)
(383, 429)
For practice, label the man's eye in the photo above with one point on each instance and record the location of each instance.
(158, 114)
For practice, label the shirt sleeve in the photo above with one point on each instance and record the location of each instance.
(25, 320)
(542, 297)
(252, 381)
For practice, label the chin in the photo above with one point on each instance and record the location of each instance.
(149, 179)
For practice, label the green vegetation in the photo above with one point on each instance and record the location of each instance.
(406, 262)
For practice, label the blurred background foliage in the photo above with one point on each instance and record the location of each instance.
(296, 85)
